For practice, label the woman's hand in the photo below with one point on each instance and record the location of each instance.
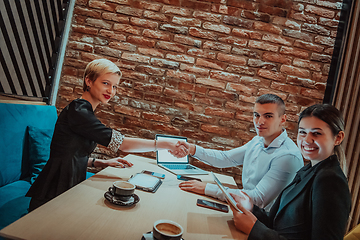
(113, 162)
(193, 186)
(180, 149)
(245, 220)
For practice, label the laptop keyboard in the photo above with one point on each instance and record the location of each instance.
(179, 166)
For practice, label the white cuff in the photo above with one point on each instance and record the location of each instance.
(199, 151)
(213, 190)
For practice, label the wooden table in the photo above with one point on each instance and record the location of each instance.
(83, 213)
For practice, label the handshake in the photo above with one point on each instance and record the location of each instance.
(182, 149)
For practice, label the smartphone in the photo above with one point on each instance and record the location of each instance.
(212, 205)
(155, 174)
(186, 178)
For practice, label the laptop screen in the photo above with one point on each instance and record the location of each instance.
(163, 156)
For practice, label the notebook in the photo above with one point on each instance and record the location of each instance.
(178, 166)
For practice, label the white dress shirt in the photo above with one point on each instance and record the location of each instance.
(266, 171)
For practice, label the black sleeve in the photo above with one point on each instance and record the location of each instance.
(262, 232)
(262, 229)
(82, 120)
(331, 204)
(262, 216)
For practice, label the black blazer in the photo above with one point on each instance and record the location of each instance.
(315, 206)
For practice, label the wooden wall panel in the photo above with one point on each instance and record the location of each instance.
(346, 98)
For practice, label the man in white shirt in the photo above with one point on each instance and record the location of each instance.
(270, 160)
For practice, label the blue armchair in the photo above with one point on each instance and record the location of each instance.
(25, 137)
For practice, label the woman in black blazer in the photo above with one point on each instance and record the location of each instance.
(316, 205)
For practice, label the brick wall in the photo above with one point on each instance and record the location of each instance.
(195, 67)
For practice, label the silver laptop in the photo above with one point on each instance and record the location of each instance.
(178, 166)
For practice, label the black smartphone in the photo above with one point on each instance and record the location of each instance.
(186, 178)
(212, 205)
(155, 174)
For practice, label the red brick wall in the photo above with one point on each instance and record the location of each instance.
(195, 67)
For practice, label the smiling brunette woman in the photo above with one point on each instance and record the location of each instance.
(78, 131)
(316, 205)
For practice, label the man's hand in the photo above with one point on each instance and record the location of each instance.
(190, 147)
(193, 186)
(180, 149)
(245, 220)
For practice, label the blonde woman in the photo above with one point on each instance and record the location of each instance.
(78, 131)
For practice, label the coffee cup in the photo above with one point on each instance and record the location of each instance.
(167, 230)
(123, 189)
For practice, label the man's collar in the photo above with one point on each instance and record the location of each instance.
(277, 141)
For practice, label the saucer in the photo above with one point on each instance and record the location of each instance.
(118, 201)
(149, 236)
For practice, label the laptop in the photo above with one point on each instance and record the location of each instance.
(178, 166)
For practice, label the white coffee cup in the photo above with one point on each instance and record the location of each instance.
(123, 189)
(167, 230)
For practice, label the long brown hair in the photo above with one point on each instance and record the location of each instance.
(332, 116)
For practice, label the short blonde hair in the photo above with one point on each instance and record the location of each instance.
(98, 67)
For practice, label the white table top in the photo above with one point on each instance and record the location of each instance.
(83, 213)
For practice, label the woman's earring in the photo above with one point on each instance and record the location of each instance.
(88, 88)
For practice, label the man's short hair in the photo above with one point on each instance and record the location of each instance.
(272, 98)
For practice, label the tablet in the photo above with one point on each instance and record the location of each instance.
(229, 198)
(145, 182)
